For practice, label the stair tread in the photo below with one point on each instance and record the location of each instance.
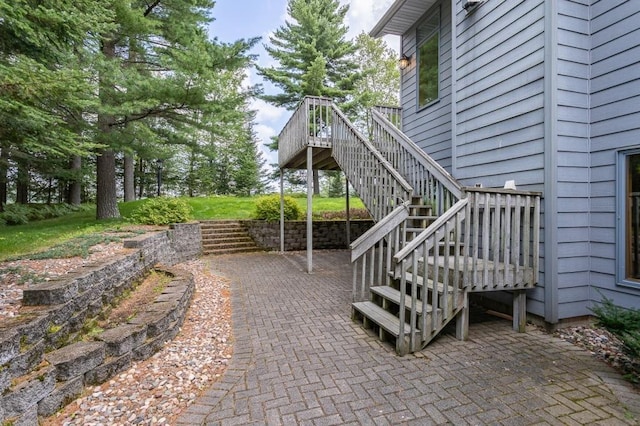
(393, 295)
(230, 244)
(384, 319)
(420, 282)
(231, 250)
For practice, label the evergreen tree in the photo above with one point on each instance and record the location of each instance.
(159, 70)
(380, 85)
(313, 56)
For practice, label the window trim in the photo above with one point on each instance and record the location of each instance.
(419, 42)
(621, 218)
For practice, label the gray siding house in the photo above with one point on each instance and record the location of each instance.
(545, 93)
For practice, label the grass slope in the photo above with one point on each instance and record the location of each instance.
(37, 236)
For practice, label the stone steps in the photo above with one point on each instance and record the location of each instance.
(225, 237)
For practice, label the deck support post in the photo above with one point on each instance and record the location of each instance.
(281, 211)
(309, 210)
(520, 310)
(462, 320)
(348, 214)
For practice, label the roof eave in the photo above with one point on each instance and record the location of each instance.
(380, 28)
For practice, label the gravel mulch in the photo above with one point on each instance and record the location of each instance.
(157, 390)
(605, 346)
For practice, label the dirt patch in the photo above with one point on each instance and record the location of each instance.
(132, 301)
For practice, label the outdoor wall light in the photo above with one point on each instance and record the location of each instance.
(404, 61)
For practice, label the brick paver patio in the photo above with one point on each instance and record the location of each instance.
(299, 359)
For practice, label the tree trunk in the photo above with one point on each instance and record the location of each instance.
(4, 167)
(106, 196)
(75, 186)
(316, 183)
(22, 184)
(142, 179)
(129, 180)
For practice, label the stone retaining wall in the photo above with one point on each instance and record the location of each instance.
(327, 234)
(39, 371)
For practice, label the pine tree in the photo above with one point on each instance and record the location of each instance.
(380, 85)
(158, 70)
(313, 56)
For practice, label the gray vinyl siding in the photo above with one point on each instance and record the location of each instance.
(500, 102)
(615, 118)
(500, 94)
(430, 127)
(573, 251)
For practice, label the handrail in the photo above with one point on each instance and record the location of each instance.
(432, 181)
(379, 185)
(374, 234)
(424, 235)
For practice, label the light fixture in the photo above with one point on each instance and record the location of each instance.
(469, 5)
(404, 61)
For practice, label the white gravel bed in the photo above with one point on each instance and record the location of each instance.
(157, 390)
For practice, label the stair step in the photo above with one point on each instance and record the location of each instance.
(239, 237)
(420, 283)
(231, 251)
(384, 319)
(228, 244)
(393, 295)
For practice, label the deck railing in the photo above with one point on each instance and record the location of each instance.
(502, 236)
(310, 124)
(423, 173)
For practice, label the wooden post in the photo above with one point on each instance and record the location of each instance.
(281, 211)
(309, 210)
(348, 214)
(462, 320)
(520, 310)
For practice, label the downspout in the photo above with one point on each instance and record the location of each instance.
(550, 163)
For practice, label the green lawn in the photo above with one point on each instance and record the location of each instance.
(37, 236)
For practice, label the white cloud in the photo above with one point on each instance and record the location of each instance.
(266, 112)
(264, 134)
(364, 14)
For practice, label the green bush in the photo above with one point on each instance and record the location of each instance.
(162, 211)
(268, 208)
(624, 323)
(16, 214)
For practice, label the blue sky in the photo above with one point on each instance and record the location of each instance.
(236, 19)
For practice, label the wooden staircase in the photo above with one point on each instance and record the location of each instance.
(434, 241)
(225, 237)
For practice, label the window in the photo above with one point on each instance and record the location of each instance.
(428, 38)
(632, 218)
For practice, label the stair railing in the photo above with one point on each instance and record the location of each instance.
(423, 173)
(380, 187)
(371, 254)
(441, 290)
(486, 241)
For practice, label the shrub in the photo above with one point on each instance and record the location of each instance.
(268, 208)
(162, 211)
(16, 214)
(625, 323)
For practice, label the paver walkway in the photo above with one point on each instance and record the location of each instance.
(299, 359)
